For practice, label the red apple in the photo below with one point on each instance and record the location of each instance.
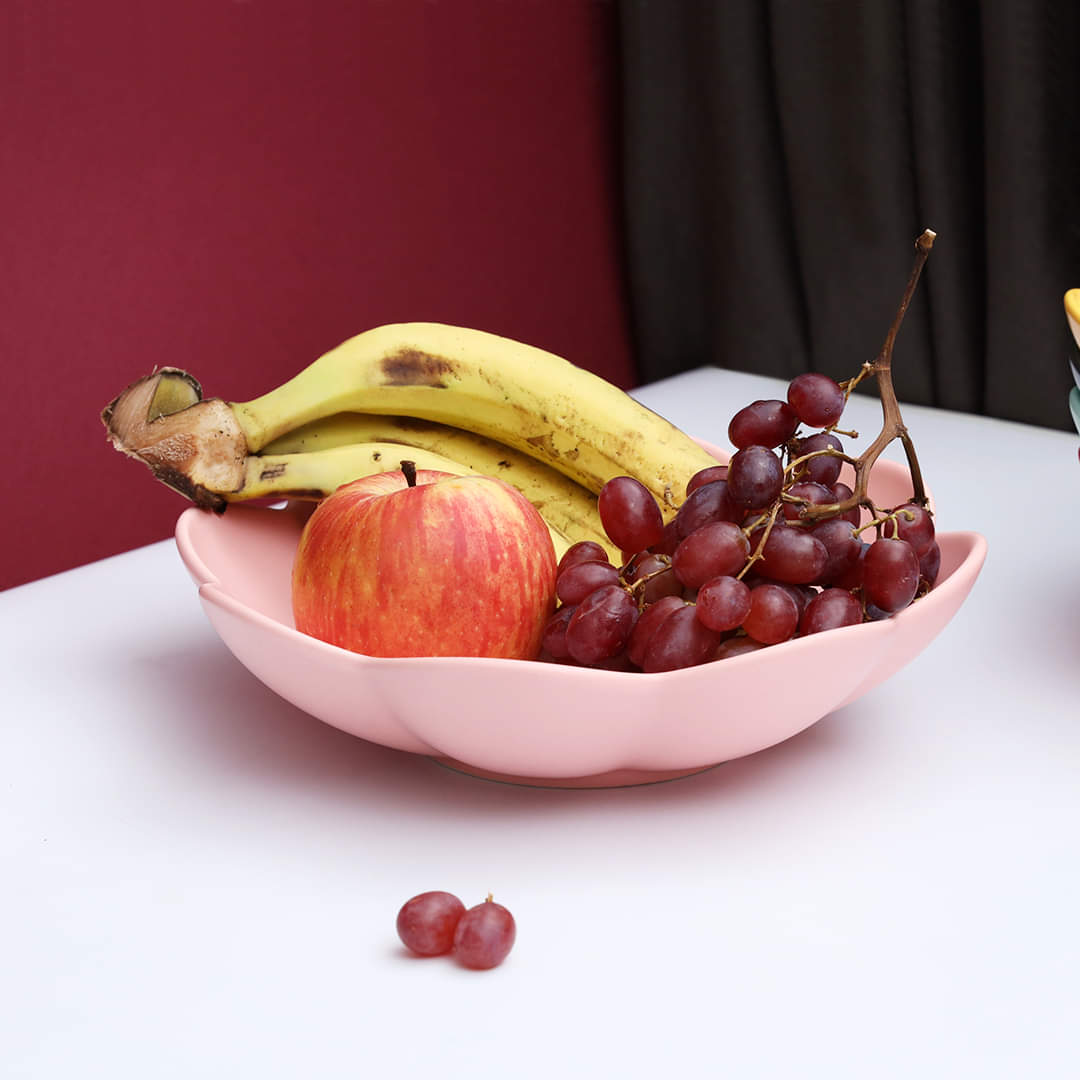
(453, 566)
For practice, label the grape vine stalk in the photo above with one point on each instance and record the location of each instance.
(893, 426)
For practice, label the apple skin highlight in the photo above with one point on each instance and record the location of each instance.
(453, 566)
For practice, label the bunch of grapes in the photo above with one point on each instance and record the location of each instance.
(766, 548)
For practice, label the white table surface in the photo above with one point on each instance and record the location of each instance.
(201, 881)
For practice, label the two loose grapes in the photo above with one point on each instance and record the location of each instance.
(435, 923)
(756, 554)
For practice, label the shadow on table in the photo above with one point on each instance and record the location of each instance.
(227, 721)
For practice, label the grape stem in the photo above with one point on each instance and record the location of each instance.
(759, 551)
(636, 588)
(879, 523)
(829, 451)
(893, 426)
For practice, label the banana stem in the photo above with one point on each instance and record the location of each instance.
(191, 444)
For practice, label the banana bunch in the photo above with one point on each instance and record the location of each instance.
(443, 397)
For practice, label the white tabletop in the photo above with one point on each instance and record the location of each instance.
(201, 881)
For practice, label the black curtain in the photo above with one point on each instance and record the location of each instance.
(781, 156)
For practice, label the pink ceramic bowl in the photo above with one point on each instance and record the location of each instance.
(542, 723)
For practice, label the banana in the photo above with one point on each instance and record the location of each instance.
(352, 427)
(198, 451)
(563, 502)
(316, 474)
(533, 401)
(519, 395)
(569, 515)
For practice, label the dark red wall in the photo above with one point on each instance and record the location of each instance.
(234, 186)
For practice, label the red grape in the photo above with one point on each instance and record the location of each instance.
(602, 624)
(890, 574)
(426, 924)
(809, 492)
(829, 609)
(792, 555)
(817, 400)
(705, 504)
(801, 594)
(723, 603)
(773, 616)
(653, 575)
(554, 639)
(852, 578)
(843, 546)
(670, 541)
(763, 423)
(824, 469)
(646, 625)
(629, 513)
(680, 641)
(580, 579)
(840, 492)
(619, 662)
(930, 563)
(736, 646)
(715, 549)
(915, 525)
(485, 935)
(705, 476)
(582, 551)
(755, 477)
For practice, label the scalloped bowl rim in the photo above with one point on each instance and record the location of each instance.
(597, 723)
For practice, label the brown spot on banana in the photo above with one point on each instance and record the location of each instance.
(412, 367)
(545, 444)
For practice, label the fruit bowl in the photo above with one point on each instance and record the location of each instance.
(541, 723)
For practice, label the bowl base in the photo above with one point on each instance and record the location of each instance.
(613, 779)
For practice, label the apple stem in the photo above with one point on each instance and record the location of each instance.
(409, 469)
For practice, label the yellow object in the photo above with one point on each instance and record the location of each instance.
(562, 502)
(315, 474)
(1072, 312)
(531, 400)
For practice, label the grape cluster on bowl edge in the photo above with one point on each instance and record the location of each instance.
(744, 563)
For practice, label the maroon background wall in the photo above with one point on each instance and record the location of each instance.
(234, 186)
